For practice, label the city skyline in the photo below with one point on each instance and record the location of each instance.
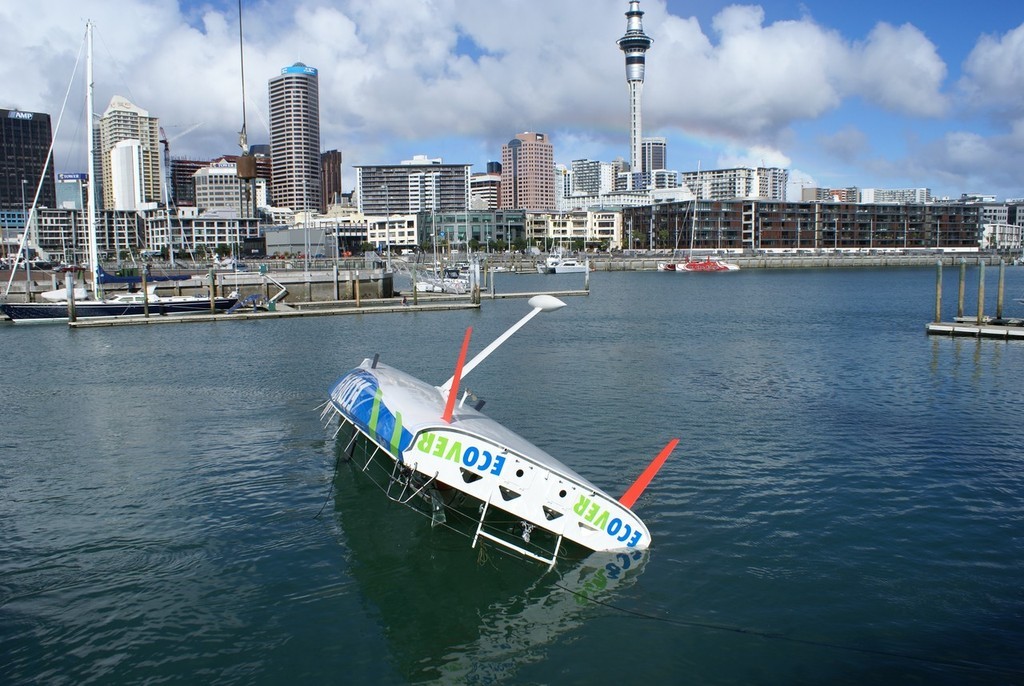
(893, 95)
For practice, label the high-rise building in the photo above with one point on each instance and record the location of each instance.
(635, 44)
(485, 188)
(528, 173)
(330, 178)
(768, 183)
(126, 174)
(217, 186)
(591, 177)
(24, 155)
(72, 191)
(654, 153)
(295, 138)
(416, 185)
(138, 177)
(183, 187)
(904, 195)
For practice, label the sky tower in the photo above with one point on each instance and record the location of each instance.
(635, 44)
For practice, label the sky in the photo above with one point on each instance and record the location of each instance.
(874, 94)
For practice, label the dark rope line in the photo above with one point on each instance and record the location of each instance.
(962, 664)
(330, 489)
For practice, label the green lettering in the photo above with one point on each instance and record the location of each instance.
(581, 507)
(592, 512)
(455, 453)
(425, 442)
(442, 443)
(602, 521)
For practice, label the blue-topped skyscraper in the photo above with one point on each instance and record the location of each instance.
(295, 138)
(635, 44)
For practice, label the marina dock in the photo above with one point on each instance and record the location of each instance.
(979, 325)
(421, 303)
(984, 330)
(282, 312)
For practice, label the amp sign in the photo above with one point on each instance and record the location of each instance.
(15, 114)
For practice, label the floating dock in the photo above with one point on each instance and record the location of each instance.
(1013, 331)
(421, 303)
(282, 312)
(980, 325)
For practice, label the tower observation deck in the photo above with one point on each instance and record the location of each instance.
(635, 45)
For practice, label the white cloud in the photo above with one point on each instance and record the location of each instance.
(847, 144)
(397, 76)
(755, 156)
(900, 70)
(994, 72)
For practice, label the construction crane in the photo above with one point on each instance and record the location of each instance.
(166, 142)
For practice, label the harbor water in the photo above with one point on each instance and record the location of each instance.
(845, 506)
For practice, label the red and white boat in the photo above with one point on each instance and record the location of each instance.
(708, 264)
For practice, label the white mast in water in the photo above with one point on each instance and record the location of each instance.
(94, 261)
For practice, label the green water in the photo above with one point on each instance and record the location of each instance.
(846, 504)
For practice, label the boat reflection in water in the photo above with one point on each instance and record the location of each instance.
(452, 614)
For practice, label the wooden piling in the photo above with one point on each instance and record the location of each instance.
(999, 292)
(145, 294)
(981, 292)
(938, 291)
(960, 293)
(213, 291)
(69, 283)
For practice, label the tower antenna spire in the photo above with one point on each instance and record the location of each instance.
(635, 44)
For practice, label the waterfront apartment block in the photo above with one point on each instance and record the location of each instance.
(575, 230)
(295, 138)
(416, 185)
(496, 229)
(64, 233)
(528, 173)
(744, 225)
(192, 232)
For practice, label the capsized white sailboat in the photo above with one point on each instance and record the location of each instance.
(443, 454)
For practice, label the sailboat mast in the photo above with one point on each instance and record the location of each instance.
(94, 261)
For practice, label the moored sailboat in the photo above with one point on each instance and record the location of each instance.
(57, 309)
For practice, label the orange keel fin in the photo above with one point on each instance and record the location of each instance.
(453, 392)
(634, 492)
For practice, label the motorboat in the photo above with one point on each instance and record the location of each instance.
(559, 263)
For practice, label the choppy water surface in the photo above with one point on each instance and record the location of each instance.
(846, 503)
